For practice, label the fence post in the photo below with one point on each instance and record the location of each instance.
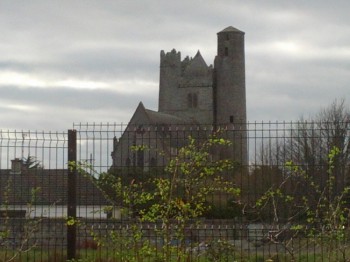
(71, 201)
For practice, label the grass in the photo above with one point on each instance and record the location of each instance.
(108, 255)
(101, 255)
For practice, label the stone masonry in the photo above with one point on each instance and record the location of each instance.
(192, 93)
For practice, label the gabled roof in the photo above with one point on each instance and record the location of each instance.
(46, 187)
(143, 116)
(198, 61)
(163, 118)
(196, 66)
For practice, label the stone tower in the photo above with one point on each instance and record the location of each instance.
(229, 78)
(194, 94)
(186, 87)
(213, 96)
(229, 96)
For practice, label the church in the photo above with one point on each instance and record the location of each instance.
(194, 99)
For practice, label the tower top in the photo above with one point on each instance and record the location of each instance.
(231, 29)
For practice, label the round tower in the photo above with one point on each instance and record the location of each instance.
(229, 89)
(229, 66)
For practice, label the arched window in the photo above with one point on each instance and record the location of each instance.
(128, 162)
(189, 100)
(153, 162)
(140, 158)
(192, 100)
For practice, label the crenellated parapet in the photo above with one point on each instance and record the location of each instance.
(196, 64)
(185, 63)
(192, 92)
(172, 58)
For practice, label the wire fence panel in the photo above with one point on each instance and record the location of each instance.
(33, 203)
(162, 192)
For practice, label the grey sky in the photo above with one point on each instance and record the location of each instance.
(93, 61)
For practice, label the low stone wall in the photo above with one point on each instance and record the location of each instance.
(38, 232)
(46, 232)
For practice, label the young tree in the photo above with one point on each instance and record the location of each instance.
(171, 202)
(317, 214)
(310, 193)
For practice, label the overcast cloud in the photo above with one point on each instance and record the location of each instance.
(93, 61)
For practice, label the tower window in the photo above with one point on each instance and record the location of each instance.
(227, 37)
(226, 51)
(231, 119)
(192, 100)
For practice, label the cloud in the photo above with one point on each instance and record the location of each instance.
(95, 60)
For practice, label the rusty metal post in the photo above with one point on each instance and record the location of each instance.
(72, 197)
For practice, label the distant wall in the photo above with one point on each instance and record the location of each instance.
(55, 211)
(48, 233)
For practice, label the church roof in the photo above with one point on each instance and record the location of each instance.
(197, 66)
(230, 29)
(198, 60)
(163, 118)
(143, 116)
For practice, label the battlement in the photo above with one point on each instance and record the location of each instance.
(190, 91)
(189, 65)
(170, 58)
(185, 63)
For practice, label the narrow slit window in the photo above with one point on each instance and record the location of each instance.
(194, 100)
(231, 119)
(226, 51)
(189, 100)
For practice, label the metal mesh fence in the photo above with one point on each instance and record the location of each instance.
(289, 203)
(33, 202)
